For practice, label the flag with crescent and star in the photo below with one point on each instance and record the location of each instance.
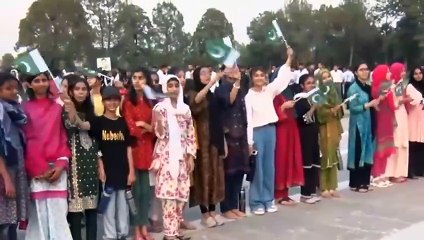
(222, 51)
(31, 63)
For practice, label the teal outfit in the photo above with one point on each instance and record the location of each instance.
(360, 121)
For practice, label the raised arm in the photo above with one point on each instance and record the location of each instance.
(283, 76)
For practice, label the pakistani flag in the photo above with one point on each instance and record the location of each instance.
(318, 98)
(222, 51)
(275, 33)
(400, 88)
(31, 62)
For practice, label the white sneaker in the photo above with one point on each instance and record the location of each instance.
(272, 209)
(259, 211)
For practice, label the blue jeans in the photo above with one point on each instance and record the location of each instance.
(262, 187)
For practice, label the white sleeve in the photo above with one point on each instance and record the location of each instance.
(249, 117)
(281, 81)
(414, 94)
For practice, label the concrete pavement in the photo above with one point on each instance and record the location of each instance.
(395, 213)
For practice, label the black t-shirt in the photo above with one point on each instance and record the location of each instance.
(113, 138)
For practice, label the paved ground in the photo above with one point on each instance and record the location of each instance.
(373, 216)
(396, 213)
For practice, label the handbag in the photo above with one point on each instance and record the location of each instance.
(252, 166)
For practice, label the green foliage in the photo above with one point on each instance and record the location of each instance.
(7, 61)
(213, 25)
(58, 29)
(357, 30)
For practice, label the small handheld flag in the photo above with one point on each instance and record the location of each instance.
(305, 95)
(221, 51)
(400, 87)
(31, 63)
(276, 33)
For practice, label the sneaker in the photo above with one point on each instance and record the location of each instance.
(316, 199)
(259, 211)
(308, 200)
(208, 222)
(272, 209)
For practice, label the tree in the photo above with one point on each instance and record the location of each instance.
(59, 30)
(101, 15)
(7, 61)
(170, 41)
(213, 25)
(134, 32)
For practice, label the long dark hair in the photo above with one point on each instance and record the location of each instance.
(132, 94)
(29, 79)
(86, 107)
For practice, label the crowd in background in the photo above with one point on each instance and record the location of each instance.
(113, 150)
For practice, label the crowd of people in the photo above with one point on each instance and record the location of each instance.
(113, 150)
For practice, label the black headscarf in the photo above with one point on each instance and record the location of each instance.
(419, 85)
(216, 132)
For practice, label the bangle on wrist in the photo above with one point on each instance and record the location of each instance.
(235, 86)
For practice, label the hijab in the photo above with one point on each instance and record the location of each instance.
(386, 120)
(333, 98)
(419, 85)
(181, 107)
(198, 85)
(176, 152)
(396, 69)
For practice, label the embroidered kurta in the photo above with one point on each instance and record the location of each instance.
(83, 176)
(168, 187)
(143, 148)
(360, 121)
(208, 176)
(288, 151)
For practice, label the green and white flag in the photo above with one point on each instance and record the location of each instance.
(275, 34)
(222, 51)
(31, 62)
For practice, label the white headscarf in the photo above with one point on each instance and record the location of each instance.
(176, 152)
(181, 108)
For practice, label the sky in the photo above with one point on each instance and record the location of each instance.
(238, 12)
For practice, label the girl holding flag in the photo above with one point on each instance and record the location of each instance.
(261, 117)
(330, 133)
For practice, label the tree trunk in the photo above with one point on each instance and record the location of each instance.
(352, 48)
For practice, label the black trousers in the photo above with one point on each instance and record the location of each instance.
(74, 220)
(206, 209)
(416, 159)
(359, 176)
(233, 184)
(311, 181)
(8, 232)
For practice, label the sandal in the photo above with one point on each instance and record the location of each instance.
(287, 202)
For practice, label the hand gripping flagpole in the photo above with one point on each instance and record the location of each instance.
(279, 32)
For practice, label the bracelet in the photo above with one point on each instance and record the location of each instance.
(99, 154)
(234, 86)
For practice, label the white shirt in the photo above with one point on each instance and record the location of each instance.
(337, 76)
(260, 109)
(348, 76)
(161, 76)
(300, 73)
(189, 75)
